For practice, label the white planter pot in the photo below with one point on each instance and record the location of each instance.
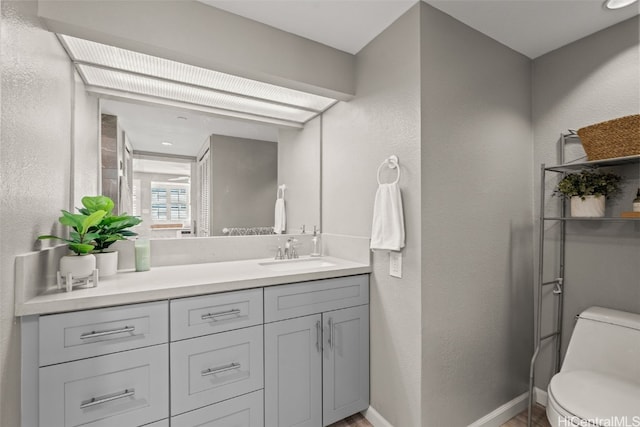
(80, 266)
(590, 207)
(107, 263)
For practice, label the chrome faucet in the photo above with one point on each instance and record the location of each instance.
(290, 249)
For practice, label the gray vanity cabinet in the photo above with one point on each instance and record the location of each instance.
(316, 366)
(279, 356)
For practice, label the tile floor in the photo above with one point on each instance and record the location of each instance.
(539, 418)
(356, 420)
(520, 420)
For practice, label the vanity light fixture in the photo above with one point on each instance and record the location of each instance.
(618, 4)
(167, 143)
(110, 70)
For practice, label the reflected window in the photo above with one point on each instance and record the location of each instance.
(170, 202)
(161, 193)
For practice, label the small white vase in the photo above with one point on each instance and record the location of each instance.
(590, 207)
(80, 266)
(107, 263)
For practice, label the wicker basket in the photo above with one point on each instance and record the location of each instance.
(614, 138)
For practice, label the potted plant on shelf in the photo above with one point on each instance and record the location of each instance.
(588, 190)
(109, 230)
(80, 241)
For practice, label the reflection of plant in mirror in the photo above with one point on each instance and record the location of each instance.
(588, 183)
(81, 237)
(111, 228)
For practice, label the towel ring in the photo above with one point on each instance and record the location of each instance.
(281, 188)
(393, 163)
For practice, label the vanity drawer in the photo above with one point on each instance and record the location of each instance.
(198, 316)
(216, 367)
(302, 299)
(123, 389)
(242, 411)
(78, 335)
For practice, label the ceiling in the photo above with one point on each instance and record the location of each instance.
(531, 27)
(148, 126)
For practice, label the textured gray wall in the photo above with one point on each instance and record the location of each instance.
(383, 119)
(586, 82)
(476, 222)
(299, 169)
(36, 156)
(243, 185)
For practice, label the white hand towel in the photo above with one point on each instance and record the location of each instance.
(387, 231)
(280, 215)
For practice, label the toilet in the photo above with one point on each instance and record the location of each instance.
(599, 383)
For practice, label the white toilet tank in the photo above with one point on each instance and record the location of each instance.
(606, 341)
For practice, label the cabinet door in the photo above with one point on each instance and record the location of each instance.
(345, 363)
(293, 372)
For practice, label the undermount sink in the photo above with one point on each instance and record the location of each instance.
(297, 264)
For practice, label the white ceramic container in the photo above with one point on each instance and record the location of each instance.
(590, 207)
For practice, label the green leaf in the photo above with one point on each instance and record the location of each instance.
(91, 221)
(71, 220)
(98, 203)
(90, 237)
(114, 238)
(81, 248)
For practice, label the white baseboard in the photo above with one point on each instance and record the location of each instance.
(494, 419)
(375, 418)
(541, 396)
(504, 413)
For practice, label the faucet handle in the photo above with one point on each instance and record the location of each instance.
(279, 254)
(303, 229)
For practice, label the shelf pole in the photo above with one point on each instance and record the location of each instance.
(563, 234)
(538, 301)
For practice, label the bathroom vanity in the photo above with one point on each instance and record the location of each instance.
(242, 343)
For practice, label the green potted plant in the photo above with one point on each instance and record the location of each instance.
(80, 241)
(109, 230)
(588, 190)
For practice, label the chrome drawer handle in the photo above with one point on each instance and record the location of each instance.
(220, 314)
(212, 371)
(108, 398)
(331, 343)
(96, 334)
(318, 335)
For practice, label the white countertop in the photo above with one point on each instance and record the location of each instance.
(160, 283)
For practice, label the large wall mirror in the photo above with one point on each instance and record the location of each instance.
(193, 174)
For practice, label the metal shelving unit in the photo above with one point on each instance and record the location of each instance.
(558, 283)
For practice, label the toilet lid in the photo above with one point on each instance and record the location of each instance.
(597, 398)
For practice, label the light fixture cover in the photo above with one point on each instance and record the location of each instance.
(618, 4)
(134, 83)
(124, 70)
